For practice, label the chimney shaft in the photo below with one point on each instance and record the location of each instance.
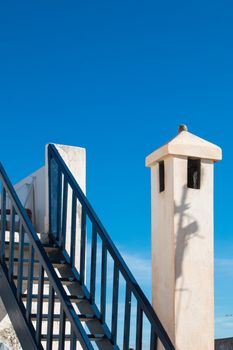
(182, 239)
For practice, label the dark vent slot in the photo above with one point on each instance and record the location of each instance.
(161, 176)
(194, 173)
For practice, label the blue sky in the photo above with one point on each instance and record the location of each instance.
(118, 77)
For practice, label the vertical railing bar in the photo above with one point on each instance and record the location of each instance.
(50, 190)
(103, 282)
(30, 282)
(20, 261)
(73, 341)
(73, 229)
(139, 328)
(11, 243)
(83, 246)
(50, 318)
(39, 303)
(127, 317)
(115, 303)
(62, 330)
(58, 191)
(64, 214)
(93, 263)
(3, 223)
(153, 339)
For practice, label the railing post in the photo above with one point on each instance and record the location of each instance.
(182, 239)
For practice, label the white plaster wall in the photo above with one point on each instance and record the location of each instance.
(75, 159)
(36, 201)
(182, 255)
(163, 272)
(194, 258)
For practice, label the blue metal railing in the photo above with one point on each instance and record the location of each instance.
(61, 184)
(13, 267)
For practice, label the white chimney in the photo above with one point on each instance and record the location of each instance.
(182, 239)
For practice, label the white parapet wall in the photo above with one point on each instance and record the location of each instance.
(75, 159)
(31, 192)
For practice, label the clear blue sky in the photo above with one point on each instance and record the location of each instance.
(117, 77)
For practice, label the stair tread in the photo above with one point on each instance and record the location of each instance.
(64, 280)
(56, 264)
(46, 297)
(46, 246)
(92, 337)
(82, 317)
(16, 260)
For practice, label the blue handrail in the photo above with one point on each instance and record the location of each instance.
(60, 178)
(29, 238)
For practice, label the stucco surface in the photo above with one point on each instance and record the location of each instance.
(186, 144)
(182, 244)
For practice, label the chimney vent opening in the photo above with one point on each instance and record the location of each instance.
(194, 173)
(161, 176)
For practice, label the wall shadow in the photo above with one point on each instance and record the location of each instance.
(186, 231)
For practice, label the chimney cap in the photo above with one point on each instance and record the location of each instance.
(185, 144)
(182, 127)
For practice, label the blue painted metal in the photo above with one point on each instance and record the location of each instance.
(115, 303)
(139, 328)
(103, 283)
(39, 304)
(127, 318)
(30, 283)
(3, 222)
(62, 330)
(50, 318)
(93, 264)
(12, 294)
(58, 170)
(12, 240)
